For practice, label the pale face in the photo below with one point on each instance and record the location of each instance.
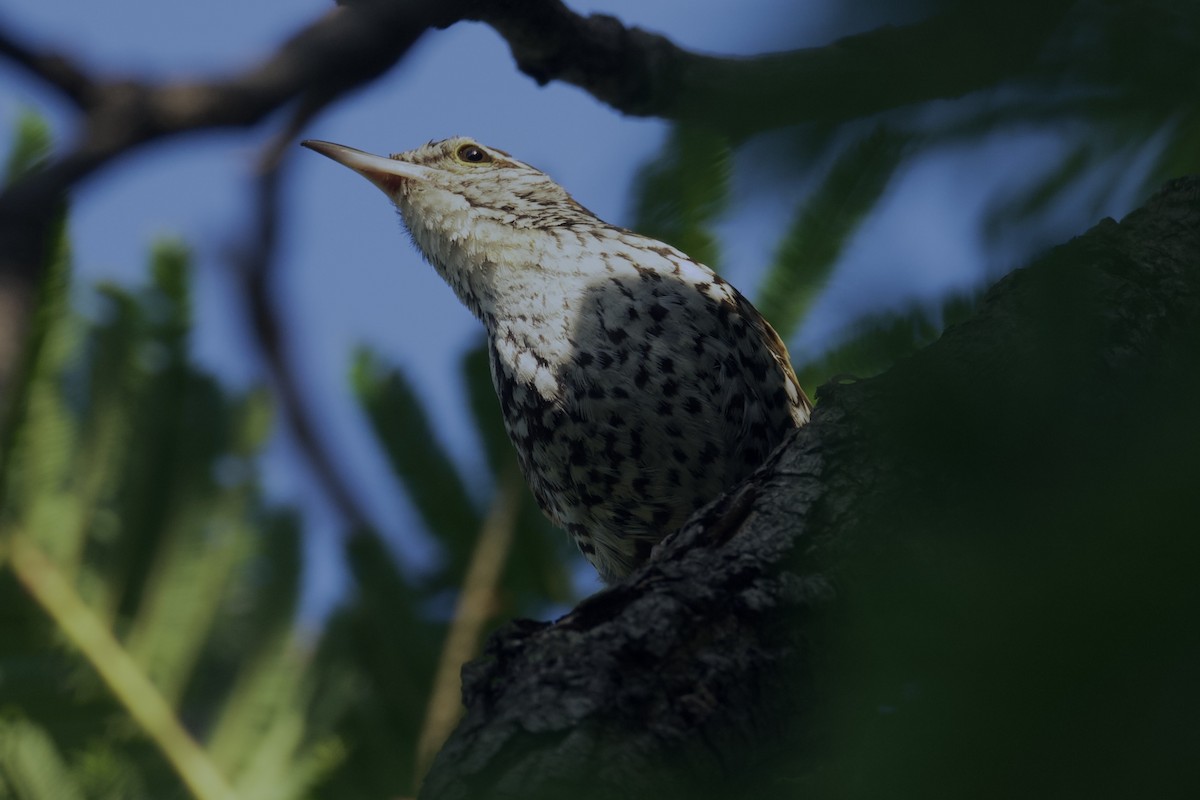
(469, 208)
(457, 182)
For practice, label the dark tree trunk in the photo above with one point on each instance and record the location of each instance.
(972, 572)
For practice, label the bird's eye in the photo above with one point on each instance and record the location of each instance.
(473, 154)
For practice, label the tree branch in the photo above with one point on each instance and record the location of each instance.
(1060, 418)
(51, 68)
(645, 74)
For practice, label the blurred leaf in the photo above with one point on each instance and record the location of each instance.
(259, 605)
(170, 301)
(132, 476)
(407, 437)
(175, 428)
(105, 771)
(255, 421)
(31, 767)
(382, 653)
(106, 383)
(31, 148)
(1180, 155)
(539, 569)
(1044, 193)
(260, 738)
(182, 598)
(824, 224)
(37, 429)
(877, 342)
(680, 194)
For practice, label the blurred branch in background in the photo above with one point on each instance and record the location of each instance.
(54, 69)
(963, 47)
(120, 672)
(344, 49)
(256, 269)
(476, 606)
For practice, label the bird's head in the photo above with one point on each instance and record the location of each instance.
(469, 208)
(456, 183)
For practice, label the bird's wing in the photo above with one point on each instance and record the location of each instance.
(801, 405)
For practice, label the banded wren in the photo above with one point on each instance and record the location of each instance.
(635, 384)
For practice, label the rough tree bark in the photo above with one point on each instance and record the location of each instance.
(992, 459)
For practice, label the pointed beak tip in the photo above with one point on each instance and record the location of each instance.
(324, 148)
(386, 173)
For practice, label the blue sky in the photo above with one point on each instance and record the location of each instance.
(348, 275)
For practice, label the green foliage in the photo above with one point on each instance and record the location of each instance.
(1115, 83)
(536, 571)
(31, 765)
(1180, 155)
(378, 654)
(129, 479)
(31, 148)
(824, 224)
(32, 145)
(404, 430)
(380, 651)
(680, 193)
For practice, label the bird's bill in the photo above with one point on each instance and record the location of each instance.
(386, 173)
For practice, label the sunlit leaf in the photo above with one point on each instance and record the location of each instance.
(255, 421)
(37, 429)
(31, 767)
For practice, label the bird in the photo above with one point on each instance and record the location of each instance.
(635, 384)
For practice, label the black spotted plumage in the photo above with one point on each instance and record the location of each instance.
(680, 459)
